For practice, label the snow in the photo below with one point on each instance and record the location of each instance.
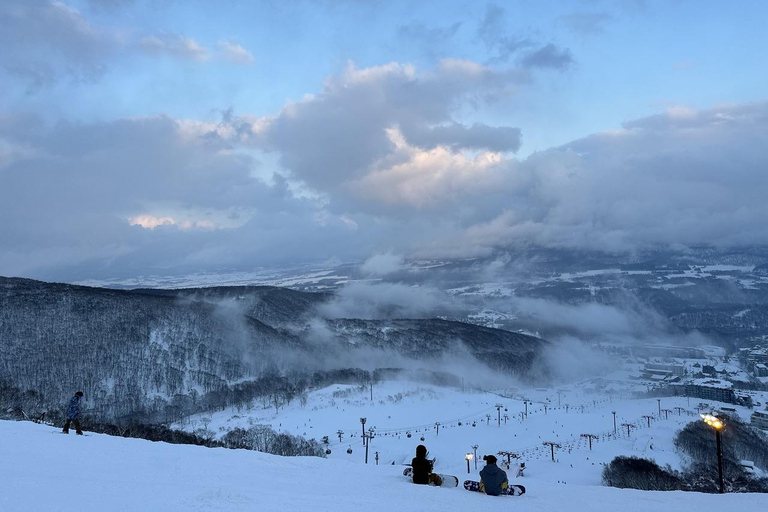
(44, 470)
(402, 407)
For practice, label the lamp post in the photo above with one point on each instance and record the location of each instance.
(717, 424)
(474, 449)
(468, 457)
(362, 422)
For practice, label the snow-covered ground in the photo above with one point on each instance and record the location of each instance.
(470, 418)
(44, 470)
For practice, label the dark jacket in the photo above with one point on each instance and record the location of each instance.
(74, 408)
(492, 478)
(422, 468)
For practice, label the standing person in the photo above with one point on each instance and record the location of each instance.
(422, 468)
(73, 412)
(494, 479)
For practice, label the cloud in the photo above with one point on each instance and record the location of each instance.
(494, 33)
(458, 136)
(425, 179)
(191, 199)
(356, 131)
(549, 56)
(382, 264)
(682, 177)
(173, 45)
(381, 160)
(235, 53)
(46, 41)
(381, 301)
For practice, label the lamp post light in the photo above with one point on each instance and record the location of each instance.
(362, 422)
(717, 424)
(474, 449)
(468, 457)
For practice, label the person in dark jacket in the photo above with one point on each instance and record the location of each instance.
(494, 479)
(73, 413)
(422, 468)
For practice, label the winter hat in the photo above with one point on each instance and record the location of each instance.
(421, 451)
(79, 393)
(489, 459)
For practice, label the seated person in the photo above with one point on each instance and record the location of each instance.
(422, 468)
(494, 479)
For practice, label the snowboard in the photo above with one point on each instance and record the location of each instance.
(447, 480)
(512, 490)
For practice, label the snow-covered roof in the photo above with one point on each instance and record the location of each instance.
(713, 383)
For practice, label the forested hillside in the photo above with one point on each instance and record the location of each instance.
(158, 355)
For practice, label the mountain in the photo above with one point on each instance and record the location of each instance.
(156, 355)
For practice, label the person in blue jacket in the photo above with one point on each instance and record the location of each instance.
(494, 479)
(73, 413)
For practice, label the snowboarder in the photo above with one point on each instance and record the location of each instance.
(494, 479)
(73, 412)
(422, 468)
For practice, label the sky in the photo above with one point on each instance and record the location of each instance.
(144, 137)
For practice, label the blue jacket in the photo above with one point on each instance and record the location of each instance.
(492, 478)
(74, 408)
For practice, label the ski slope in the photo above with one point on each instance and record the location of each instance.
(44, 470)
(400, 407)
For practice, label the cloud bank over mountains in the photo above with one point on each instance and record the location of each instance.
(395, 159)
(375, 161)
